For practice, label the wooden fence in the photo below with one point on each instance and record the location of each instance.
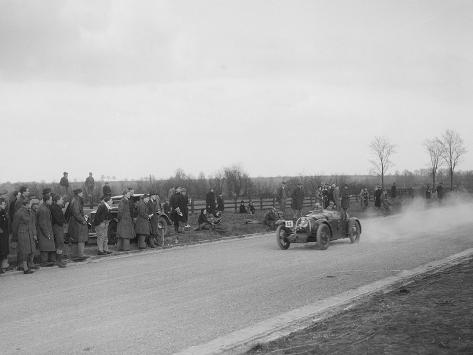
(261, 203)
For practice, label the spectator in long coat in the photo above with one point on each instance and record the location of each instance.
(154, 209)
(58, 221)
(78, 230)
(101, 222)
(297, 200)
(64, 183)
(440, 192)
(281, 197)
(125, 228)
(336, 195)
(4, 235)
(177, 205)
(45, 232)
(90, 187)
(210, 201)
(377, 196)
(142, 225)
(24, 235)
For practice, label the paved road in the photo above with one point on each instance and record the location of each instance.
(166, 301)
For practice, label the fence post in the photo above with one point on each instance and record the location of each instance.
(192, 206)
(274, 202)
(261, 203)
(235, 206)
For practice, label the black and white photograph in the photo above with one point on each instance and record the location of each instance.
(255, 177)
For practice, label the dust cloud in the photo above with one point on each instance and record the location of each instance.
(419, 217)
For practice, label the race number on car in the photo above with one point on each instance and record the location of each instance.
(289, 224)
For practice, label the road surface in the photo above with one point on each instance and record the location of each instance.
(164, 302)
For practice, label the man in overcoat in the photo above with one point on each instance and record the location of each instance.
(45, 232)
(154, 209)
(125, 227)
(58, 221)
(78, 230)
(24, 235)
(210, 201)
(142, 225)
(177, 206)
(297, 200)
(281, 197)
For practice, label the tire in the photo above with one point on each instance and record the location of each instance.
(112, 233)
(323, 236)
(354, 231)
(281, 234)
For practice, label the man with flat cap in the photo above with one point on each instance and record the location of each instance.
(45, 232)
(78, 230)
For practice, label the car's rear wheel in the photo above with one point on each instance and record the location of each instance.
(354, 231)
(323, 236)
(281, 238)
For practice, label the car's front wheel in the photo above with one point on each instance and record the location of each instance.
(281, 238)
(323, 236)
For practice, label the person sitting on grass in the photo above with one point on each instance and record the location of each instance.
(251, 208)
(243, 207)
(270, 218)
(203, 221)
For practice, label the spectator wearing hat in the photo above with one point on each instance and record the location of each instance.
(44, 228)
(58, 221)
(24, 193)
(125, 229)
(24, 235)
(297, 200)
(281, 197)
(106, 189)
(89, 189)
(78, 230)
(101, 221)
(378, 196)
(4, 235)
(251, 207)
(64, 184)
(178, 204)
(154, 210)
(142, 225)
(243, 207)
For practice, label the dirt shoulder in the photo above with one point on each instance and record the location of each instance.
(432, 315)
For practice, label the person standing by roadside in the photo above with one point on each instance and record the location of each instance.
(154, 208)
(89, 189)
(377, 196)
(336, 195)
(78, 230)
(64, 184)
(220, 203)
(185, 212)
(125, 229)
(297, 200)
(47, 248)
(101, 222)
(142, 225)
(393, 191)
(4, 235)
(281, 198)
(177, 205)
(210, 201)
(24, 235)
(106, 189)
(24, 194)
(58, 221)
(440, 192)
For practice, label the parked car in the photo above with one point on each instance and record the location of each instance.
(163, 220)
(321, 226)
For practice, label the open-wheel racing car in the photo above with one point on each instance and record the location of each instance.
(321, 226)
(163, 220)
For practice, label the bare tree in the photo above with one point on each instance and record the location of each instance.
(235, 179)
(382, 150)
(434, 148)
(452, 150)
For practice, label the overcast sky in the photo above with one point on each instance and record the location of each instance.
(132, 88)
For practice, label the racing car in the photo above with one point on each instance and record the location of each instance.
(320, 226)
